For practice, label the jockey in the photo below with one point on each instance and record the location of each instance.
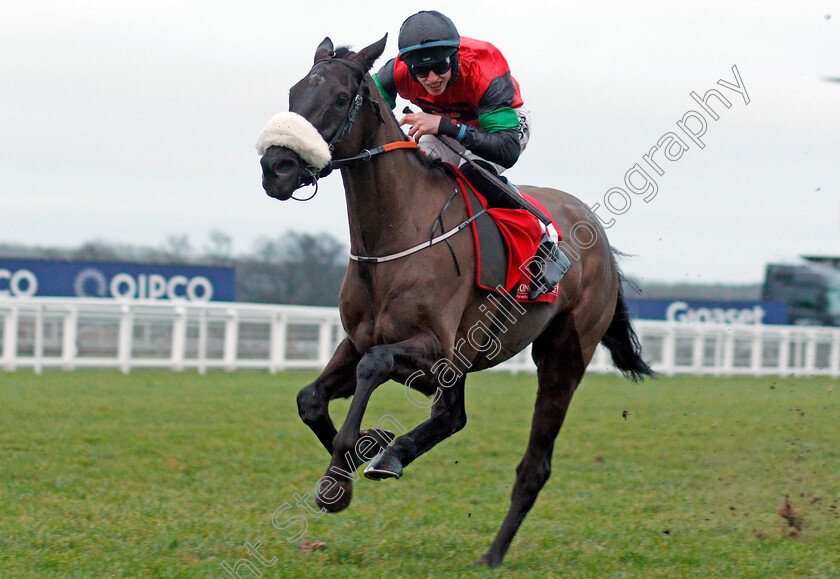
(465, 91)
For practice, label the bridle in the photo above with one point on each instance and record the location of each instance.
(361, 94)
(311, 175)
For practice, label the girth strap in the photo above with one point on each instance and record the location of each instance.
(420, 246)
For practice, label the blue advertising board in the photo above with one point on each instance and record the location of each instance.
(708, 311)
(42, 278)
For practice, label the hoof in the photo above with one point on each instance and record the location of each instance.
(334, 495)
(382, 437)
(384, 465)
(486, 561)
(376, 441)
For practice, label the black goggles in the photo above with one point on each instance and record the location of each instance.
(440, 67)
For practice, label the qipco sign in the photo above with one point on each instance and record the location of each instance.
(28, 278)
(17, 283)
(155, 287)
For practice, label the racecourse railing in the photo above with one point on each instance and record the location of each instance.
(69, 333)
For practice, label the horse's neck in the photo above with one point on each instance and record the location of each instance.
(382, 205)
(392, 200)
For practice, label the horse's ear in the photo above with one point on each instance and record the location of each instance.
(324, 49)
(368, 55)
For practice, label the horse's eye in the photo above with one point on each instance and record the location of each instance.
(342, 100)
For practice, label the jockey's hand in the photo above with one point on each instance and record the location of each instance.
(421, 124)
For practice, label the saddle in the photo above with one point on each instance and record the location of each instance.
(504, 239)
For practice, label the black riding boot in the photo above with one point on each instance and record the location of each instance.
(550, 263)
(547, 269)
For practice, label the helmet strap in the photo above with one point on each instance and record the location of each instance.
(455, 68)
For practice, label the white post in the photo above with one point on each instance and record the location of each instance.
(202, 341)
(697, 351)
(231, 339)
(69, 332)
(337, 334)
(797, 354)
(126, 334)
(784, 352)
(38, 361)
(324, 342)
(669, 349)
(728, 352)
(179, 338)
(757, 351)
(834, 358)
(810, 362)
(10, 338)
(718, 355)
(278, 343)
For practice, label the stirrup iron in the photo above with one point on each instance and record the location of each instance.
(550, 264)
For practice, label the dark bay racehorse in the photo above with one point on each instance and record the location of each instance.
(409, 317)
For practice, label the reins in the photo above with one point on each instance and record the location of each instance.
(367, 154)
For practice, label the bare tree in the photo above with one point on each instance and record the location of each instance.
(178, 247)
(220, 248)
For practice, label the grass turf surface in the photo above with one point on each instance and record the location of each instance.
(170, 474)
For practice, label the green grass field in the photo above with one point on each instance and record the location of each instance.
(170, 474)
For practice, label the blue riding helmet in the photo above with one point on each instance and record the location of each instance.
(428, 37)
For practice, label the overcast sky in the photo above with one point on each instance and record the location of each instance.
(132, 121)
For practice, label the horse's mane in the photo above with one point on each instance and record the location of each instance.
(346, 51)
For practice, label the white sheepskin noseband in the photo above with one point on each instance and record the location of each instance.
(296, 133)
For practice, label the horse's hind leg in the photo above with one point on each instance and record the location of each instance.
(560, 367)
(338, 380)
(448, 417)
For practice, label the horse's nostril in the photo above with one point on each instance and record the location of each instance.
(285, 167)
(280, 172)
(279, 163)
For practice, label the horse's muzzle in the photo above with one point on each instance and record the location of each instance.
(282, 172)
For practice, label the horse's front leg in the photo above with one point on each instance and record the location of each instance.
(338, 380)
(335, 489)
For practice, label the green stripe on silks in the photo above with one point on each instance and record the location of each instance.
(391, 102)
(499, 120)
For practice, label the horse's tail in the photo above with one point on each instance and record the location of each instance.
(623, 343)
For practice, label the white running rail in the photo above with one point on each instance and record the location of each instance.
(69, 333)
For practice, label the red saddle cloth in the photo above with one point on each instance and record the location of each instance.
(521, 231)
